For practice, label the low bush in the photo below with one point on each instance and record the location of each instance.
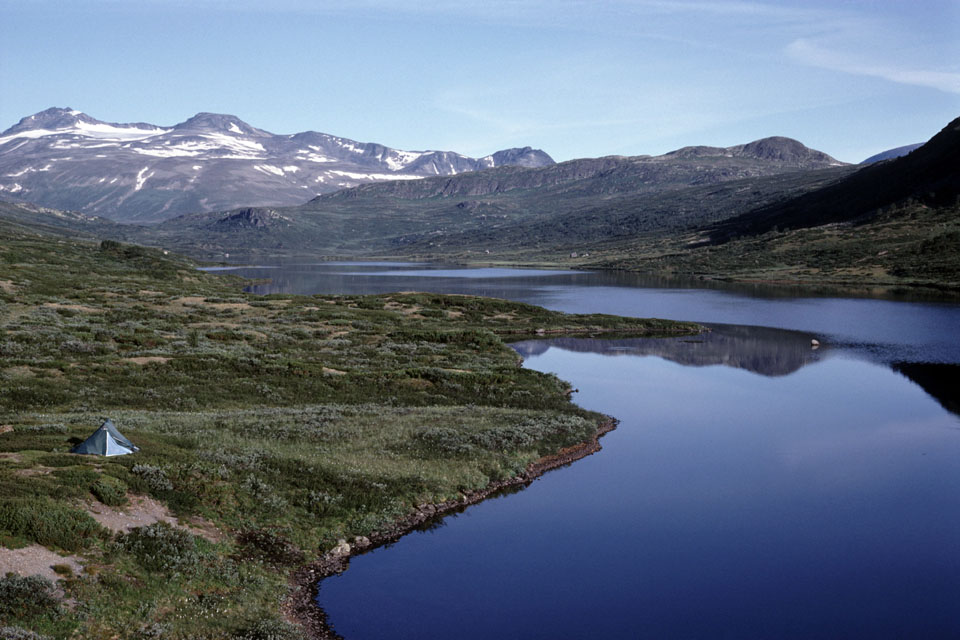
(17, 633)
(110, 491)
(161, 547)
(269, 629)
(154, 479)
(269, 546)
(25, 597)
(48, 523)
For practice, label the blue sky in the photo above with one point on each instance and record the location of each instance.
(576, 78)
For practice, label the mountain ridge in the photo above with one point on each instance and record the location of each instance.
(66, 159)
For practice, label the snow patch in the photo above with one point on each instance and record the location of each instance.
(240, 149)
(268, 169)
(197, 167)
(291, 168)
(14, 189)
(401, 159)
(106, 131)
(141, 178)
(349, 146)
(232, 143)
(233, 127)
(46, 167)
(97, 130)
(374, 176)
(313, 157)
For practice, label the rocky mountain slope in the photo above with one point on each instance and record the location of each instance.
(684, 167)
(578, 199)
(142, 172)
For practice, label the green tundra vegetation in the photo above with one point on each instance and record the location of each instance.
(274, 426)
(911, 247)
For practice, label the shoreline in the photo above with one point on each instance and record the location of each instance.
(300, 606)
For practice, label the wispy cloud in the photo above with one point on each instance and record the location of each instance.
(808, 52)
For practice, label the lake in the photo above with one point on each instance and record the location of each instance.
(755, 487)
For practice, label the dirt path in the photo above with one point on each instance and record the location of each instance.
(35, 560)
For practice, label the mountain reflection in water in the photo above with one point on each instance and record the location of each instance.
(941, 381)
(761, 350)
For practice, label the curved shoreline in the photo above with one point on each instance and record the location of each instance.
(301, 607)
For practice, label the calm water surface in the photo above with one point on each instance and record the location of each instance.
(755, 488)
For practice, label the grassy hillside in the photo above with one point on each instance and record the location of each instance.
(274, 426)
(909, 246)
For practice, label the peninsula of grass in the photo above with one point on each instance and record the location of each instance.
(277, 426)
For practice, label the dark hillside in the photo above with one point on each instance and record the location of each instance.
(930, 175)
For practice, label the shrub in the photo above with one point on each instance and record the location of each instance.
(16, 633)
(161, 547)
(269, 629)
(154, 478)
(62, 570)
(48, 523)
(110, 491)
(26, 597)
(269, 546)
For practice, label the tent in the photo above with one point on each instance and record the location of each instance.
(106, 441)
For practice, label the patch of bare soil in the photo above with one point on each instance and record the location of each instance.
(142, 511)
(20, 372)
(405, 309)
(334, 372)
(35, 559)
(185, 300)
(7, 286)
(192, 301)
(36, 470)
(146, 359)
(72, 307)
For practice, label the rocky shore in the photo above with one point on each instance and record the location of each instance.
(301, 607)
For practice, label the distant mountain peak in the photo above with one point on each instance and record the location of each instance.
(63, 158)
(51, 119)
(783, 149)
(774, 148)
(220, 122)
(521, 157)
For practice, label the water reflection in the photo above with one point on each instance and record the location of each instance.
(884, 330)
(817, 503)
(941, 381)
(762, 350)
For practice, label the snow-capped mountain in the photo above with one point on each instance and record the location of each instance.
(142, 172)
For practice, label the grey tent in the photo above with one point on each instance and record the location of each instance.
(105, 441)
